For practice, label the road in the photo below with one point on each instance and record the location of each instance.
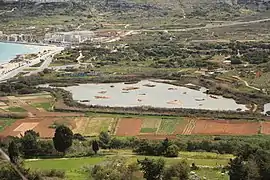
(246, 83)
(8, 11)
(47, 57)
(208, 26)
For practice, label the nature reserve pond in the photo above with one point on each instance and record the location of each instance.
(148, 93)
(266, 108)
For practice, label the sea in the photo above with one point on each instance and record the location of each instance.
(9, 51)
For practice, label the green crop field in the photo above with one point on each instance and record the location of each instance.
(148, 130)
(46, 105)
(4, 122)
(168, 126)
(16, 109)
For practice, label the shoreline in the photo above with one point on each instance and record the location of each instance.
(29, 43)
(41, 47)
(10, 69)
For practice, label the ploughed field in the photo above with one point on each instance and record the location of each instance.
(142, 127)
(41, 119)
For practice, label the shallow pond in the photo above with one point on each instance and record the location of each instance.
(266, 108)
(147, 93)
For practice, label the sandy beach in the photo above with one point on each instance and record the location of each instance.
(8, 68)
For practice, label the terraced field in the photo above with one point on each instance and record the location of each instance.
(169, 126)
(92, 126)
(150, 125)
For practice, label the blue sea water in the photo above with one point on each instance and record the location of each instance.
(8, 51)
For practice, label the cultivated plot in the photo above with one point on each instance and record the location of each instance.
(226, 127)
(129, 127)
(92, 126)
(168, 126)
(44, 126)
(150, 125)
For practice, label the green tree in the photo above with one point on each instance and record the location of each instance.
(62, 139)
(152, 169)
(239, 169)
(29, 143)
(178, 171)
(172, 151)
(7, 172)
(104, 140)
(95, 146)
(115, 169)
(13, 152)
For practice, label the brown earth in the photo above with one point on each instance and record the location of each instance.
(40, 125)
(226, 127)
(183, 127)
(128, 127)
(265, 127)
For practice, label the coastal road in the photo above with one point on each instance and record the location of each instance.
(46, 63)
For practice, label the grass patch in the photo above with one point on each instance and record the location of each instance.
(213, 174)
(5, 122)
(38, 64)
(168, 125)
(46, 105)
(148, 130)
(74, 171)
(16, 109)
(64, 164)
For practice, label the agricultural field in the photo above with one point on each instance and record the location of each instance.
(74, 167)
(15, 109)
(169, 126)
(44, 126)
(146, 127)
(226, 127)
(32, 103)
(5, 122)
(92, 126)
(129, 127)
(150, 125)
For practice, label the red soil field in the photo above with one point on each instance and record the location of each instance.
(265, 128)
(228, 127)
(186, 127)
(40, 125)
(128, 127)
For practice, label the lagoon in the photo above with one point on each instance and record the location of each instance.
(161, 95)
(8, 51)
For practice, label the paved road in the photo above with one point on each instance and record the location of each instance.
(47, 57)
(47, 60)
